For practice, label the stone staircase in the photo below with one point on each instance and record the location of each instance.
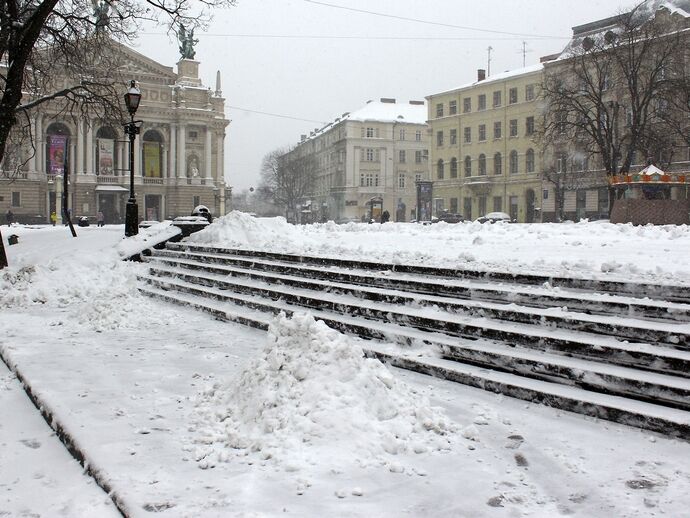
(617, 351)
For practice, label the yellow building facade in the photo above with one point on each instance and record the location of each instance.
(483, 153)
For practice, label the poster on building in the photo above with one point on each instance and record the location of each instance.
(152, 160)
(106, 154)
(57, 153)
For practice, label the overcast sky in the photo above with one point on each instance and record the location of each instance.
(314, 60)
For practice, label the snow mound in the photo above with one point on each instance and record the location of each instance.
(98, 293)
(310, 389)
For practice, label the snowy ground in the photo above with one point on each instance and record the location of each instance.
(189, 416)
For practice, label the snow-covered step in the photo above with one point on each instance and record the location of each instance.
(544, 296)
(573, 343)
(665, 292)
(673, 334)
(646, 415)
(570, 343)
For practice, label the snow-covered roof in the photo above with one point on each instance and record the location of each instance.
(508, 74)
(390, 112)
(649, 7)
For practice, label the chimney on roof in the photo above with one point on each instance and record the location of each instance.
(388, 100)
(417, 103)
(302, 137)
(481, 74)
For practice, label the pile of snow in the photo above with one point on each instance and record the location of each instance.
(586, 249)
(311, 389)
(147, 238)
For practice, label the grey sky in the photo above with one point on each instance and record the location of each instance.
(320, 78)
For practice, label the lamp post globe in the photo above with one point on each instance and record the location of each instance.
(132, 98)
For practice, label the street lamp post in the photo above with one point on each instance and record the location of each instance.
(132, 98)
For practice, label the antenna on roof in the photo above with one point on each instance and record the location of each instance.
(524, 52)
(488, 62)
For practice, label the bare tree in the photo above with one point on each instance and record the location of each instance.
(287, 178)
(603, 95)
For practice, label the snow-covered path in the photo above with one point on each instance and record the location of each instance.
(38, 475)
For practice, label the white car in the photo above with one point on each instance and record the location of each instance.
(493, 217)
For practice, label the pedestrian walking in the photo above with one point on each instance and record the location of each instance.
(9, 217)
(100, 218)
(385, 217)
(53, 217)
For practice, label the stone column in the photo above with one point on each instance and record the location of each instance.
(164, 161)
(220, 157)
(80, 147)
(173, 149)
(89, 166)
(137, 156)
(208, 171)
(32, 160)
(181, 151)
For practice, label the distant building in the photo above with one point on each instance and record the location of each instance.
(178, 154)
(367, 162)
(484, 157)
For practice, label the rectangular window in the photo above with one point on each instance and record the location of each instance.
(497, 99)
(467, 208)
(439, 138)
(513, 128)
(369, 155)
(452, 107)
(497, 129)
(529, 126)
(402, 134)
(439, 110)
(401, 180)
(498, 204)
(454, 205)
(467, 105)
(418, 177)
(196, 201)
(401, 156)
(418, 136)
(17, 199)
(512, 95)
(529, 93)
(453, 137)
(376, 180)
(468, 135)
(481, 102)
(417, 157)
(370, 132)
(482, 132)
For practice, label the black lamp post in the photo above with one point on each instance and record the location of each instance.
(132, 98)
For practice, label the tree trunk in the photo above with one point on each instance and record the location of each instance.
(3, 255)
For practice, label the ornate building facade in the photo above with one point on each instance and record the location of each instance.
(178, 156)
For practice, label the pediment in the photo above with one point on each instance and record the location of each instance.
(137, 64)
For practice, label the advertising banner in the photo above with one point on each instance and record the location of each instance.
(57, 153)
(424, 200)
(106, 154)
(152, 160)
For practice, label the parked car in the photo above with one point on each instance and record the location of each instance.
(493, 217)
(450, 217)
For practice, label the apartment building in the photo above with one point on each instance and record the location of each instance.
(178, 154)
(483, 156)
(367, 162)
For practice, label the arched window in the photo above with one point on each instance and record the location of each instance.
(513, 162)
(152, 161)
(57, 148)
(106, 158)
(498, 164)
(468, 166)
(439, 169)
(529, 161)
(482, 164)
(453, 167)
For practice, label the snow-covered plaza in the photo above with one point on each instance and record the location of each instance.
(180, 414)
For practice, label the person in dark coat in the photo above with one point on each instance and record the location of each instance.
(385, 217)
(9, 217)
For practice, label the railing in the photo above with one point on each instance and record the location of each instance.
(153, 181)
(108, 179)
